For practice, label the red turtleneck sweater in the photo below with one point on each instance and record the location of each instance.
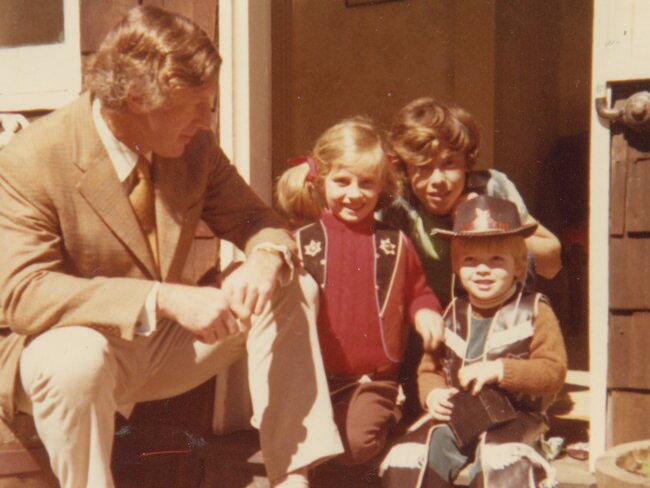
(348, 320)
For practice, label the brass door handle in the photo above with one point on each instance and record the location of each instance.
(635, 113)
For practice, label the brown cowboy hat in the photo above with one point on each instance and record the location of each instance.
(487, 216)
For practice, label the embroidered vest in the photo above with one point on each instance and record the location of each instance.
(509, 336)
(389, 267)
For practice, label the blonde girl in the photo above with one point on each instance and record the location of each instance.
(371, 280)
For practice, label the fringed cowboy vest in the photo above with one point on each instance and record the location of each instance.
(510, 335)
(508, 457)
(389, 273)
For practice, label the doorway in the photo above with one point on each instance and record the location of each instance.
(541, 126)
(523, 69)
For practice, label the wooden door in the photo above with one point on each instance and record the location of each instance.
(628, 379)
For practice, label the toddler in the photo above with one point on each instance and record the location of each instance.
(496, 335)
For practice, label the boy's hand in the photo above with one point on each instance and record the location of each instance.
(439, 403)
(480, 374)
(431, 328)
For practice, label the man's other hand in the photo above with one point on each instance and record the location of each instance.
(252, 284)
(204, 311)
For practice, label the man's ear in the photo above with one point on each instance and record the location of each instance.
(135, 102)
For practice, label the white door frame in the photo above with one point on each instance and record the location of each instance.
(245, 137)
(245, 94)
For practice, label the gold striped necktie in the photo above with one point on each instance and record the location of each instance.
(142, 201)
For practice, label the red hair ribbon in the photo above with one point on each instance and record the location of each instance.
(312, 174)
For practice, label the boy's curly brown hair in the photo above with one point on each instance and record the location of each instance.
(425, 126)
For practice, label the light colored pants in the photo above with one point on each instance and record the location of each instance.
(77, 377)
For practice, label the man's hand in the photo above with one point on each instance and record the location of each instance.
(252, 284)
(430, 326)
(480, 374)
(204, 311)
(439, 403)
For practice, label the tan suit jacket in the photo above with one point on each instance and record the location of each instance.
(71, 249)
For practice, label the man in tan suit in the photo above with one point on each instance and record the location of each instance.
(99, 202)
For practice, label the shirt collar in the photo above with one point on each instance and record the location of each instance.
(122, 158)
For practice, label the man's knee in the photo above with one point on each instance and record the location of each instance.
(302, 289)
(294, 306)
(68, 363)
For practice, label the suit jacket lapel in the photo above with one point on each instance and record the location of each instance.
(169, 181)
(102, 189)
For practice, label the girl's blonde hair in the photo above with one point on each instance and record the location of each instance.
(515, 245)
(354, 141)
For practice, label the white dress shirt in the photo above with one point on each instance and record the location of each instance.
(124, 160)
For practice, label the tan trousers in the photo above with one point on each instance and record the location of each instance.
(75, 378)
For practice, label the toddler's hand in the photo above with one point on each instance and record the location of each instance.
(439, 403)
(431, 328)
(480, 374)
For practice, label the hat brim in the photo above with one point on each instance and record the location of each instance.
(525, 230)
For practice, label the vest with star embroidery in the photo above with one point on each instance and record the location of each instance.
(389, 266)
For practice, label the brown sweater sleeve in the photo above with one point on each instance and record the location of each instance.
(430, 375)
(544, 371)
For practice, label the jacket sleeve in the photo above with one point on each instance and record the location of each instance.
(543, 373)
(235, 213)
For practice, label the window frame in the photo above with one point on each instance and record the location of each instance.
(46, 76)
